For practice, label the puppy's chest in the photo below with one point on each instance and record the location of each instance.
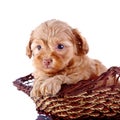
(69, 71)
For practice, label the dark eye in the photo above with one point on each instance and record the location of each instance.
(60, 46)
(38, 47)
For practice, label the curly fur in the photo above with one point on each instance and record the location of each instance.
(60, 57)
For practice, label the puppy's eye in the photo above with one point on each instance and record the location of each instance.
(60, 46)
(38, 47)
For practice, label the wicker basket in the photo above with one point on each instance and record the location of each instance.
(84, 100)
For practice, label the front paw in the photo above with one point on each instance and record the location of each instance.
(35, 92)
(50, 86)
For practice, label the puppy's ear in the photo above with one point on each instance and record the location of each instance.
(81, 43)
(28, 48)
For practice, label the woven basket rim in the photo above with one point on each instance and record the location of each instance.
(22, 83)
(83, 86)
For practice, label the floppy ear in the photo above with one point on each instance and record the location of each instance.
(28, 48)
(81, 43)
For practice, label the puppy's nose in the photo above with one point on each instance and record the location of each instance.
(47, 61)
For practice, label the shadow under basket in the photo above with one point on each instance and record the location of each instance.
(93, 99)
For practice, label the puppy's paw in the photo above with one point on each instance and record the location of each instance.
(35, 92)
(50, 86)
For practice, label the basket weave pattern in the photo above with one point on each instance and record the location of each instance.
(86, 99)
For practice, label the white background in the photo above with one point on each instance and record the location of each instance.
(98, 20)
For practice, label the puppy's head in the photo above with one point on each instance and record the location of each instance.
(54, 44)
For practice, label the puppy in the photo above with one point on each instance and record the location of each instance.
(59, 55)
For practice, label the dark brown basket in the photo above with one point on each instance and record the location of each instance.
(88, 99)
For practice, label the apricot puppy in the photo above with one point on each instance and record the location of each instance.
(59, 57)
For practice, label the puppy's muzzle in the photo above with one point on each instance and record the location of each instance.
(47, 62)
